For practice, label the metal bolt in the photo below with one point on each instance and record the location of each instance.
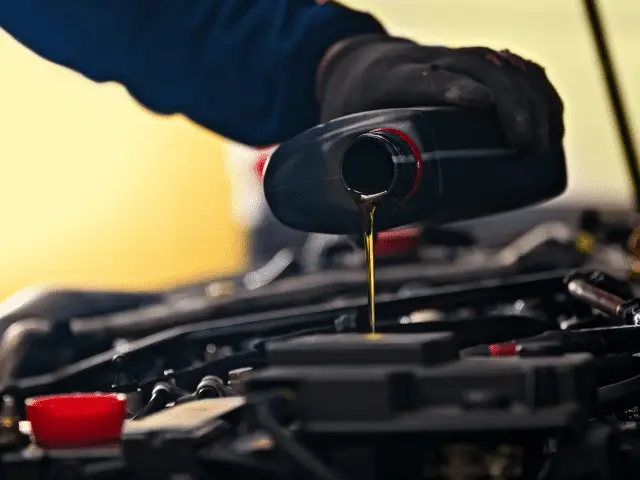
(211, 352)
(9, 421)
(237, 377)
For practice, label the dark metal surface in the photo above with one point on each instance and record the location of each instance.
(484, 292)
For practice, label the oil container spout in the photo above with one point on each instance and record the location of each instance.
(381, 165)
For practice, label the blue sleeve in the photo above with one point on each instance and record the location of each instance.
(242, 68)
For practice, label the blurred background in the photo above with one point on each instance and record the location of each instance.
(95, 191)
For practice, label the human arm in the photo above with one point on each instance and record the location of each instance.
(245, 69)
(260, 71)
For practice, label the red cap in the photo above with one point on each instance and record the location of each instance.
(76, 420)
(394, 242)
(508, 349)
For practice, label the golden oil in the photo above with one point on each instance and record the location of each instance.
(368, 210)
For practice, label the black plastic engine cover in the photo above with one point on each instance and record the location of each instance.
(417, 393)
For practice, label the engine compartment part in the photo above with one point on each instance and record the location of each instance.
(384, 384)
(76, 420)
(290, 398)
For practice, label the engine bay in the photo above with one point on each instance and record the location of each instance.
(504, 377)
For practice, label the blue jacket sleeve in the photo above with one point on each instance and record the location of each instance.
(242, 68)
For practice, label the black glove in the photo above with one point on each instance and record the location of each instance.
(376, 71)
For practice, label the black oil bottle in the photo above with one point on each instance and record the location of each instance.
(432, 165)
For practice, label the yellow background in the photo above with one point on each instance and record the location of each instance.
(96, 191)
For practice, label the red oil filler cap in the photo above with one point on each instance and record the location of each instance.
(76, 420)
(397, 242)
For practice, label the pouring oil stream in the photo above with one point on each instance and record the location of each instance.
(379, 170)
(368, 213)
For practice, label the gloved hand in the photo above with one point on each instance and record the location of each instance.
(376, 71)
